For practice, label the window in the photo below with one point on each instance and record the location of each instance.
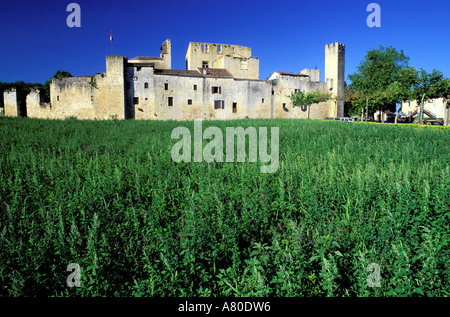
(219, 104)
(284, 105)
(219, 49)
(145, 85)
(136, 100)
(205, 64)
(297, 91)
(262, 100)
(216, 90)
(195, 87)
(57, 98)
(170, 101)
(166, 86)
(234, 107)
(273, 92)
(189, 101)
(138, 68)
(205, 48)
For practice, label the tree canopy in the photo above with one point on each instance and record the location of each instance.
(306, 99)
(385, 78)
(375, 75)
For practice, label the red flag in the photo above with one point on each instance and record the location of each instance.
(110, 37)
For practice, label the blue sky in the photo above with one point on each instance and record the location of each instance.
(286, 35)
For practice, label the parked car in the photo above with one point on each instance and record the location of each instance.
(430, 122)
(344, 119)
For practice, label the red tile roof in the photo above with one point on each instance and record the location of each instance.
(215, 72)
(210, 72)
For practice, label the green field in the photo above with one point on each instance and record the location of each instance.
(107, 195)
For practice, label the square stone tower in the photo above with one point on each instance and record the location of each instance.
(335, 76)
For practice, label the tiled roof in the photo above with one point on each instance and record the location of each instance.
(177, 72)
(292, 74)
(210, 72)
(215, 72)
(146, 58)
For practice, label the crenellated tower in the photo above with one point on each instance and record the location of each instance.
(335, 76)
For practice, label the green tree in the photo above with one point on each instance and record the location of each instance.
(402, 88)
(429, 86)
(376, 72)
(306, 99)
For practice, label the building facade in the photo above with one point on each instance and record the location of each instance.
(220, 81)
(434, 108)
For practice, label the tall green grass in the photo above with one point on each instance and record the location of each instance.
(107, 195)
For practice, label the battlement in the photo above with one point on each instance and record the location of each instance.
(339, 45)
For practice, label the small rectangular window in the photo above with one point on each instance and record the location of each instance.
(234, 107)
(145, 85)
(136, 100)
(216, 90)
(170, 101)
(219, 104)
(262, 100)
(138, 68)
(195, 87)
(189, 101)
(219, 49)
(166, 86)
(284, 105)
(205, 64)
(273, 92)
(57, 98)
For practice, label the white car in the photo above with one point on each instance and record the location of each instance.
(344, 119)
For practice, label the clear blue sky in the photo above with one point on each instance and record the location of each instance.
(287, 35)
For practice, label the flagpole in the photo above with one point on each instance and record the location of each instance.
(111, 40)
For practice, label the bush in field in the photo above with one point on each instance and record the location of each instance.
(109, 197)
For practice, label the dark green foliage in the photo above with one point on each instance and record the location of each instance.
(108, 196)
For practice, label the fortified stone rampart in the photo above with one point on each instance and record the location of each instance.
(147, 88)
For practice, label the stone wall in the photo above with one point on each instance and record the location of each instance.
(14, 103)
(70, 97)
(38, 109)
(10, 103)
(138, 91)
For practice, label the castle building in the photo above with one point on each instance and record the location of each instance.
(221, 81)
